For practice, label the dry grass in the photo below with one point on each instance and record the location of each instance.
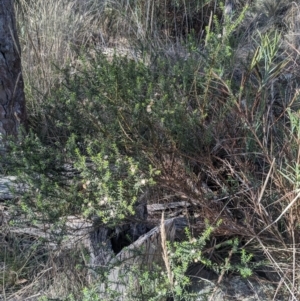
(51, 34)
(31, 270)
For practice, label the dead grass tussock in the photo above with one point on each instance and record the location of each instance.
(32, 270)
(50, 35)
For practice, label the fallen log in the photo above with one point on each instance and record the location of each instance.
(143, 253)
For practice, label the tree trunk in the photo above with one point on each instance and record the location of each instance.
(12, 98)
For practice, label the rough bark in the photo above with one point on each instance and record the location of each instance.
(12, 99)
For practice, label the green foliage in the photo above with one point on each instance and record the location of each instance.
(100, 182)
(130, 104)
(291, 172)
(112, 183)
(238, 260)
(266, 56)
(185, 253)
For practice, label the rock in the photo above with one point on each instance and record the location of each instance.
(7, 185)
(233, 288)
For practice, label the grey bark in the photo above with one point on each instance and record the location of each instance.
(12, 98)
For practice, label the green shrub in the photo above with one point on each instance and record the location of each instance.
(95, 181)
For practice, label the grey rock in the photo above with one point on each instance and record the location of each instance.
(7, 185)
(233, 288)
